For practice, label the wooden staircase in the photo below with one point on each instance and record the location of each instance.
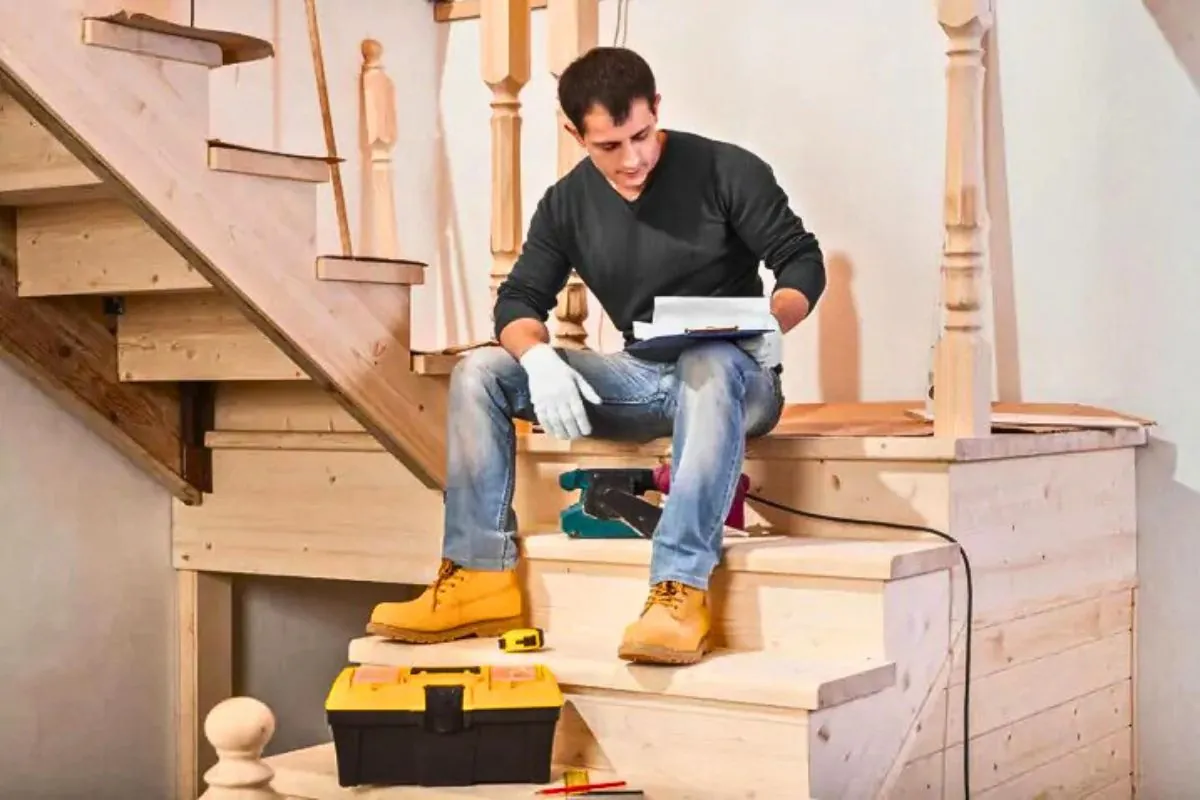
(108, 139)
(168, 288)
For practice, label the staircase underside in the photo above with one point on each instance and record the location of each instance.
(139, 125)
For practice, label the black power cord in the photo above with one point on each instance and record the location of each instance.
(966, 767)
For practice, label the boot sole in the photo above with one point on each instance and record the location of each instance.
(657, 654)
(491, 627)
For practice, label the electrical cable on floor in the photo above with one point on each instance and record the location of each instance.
(966, 765)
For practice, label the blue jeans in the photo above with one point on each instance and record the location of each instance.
(709, 401)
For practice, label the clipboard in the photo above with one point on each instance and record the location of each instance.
(670, 346)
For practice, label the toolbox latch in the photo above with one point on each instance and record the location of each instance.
(444, 709)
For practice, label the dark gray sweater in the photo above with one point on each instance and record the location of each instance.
(710, 212)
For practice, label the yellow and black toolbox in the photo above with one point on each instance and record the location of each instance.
(443, 726)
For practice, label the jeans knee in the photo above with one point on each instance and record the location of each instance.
(478, 373)
(723, 363)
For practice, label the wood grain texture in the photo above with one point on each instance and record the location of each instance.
(454, 10)
(65, 348)
(141, 124)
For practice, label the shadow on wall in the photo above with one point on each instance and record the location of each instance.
(452, 267)
(1180, 25)
(1168, 549)
(1000, 267)
(290, 641)
(839, 335)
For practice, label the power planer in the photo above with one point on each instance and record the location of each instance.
(611, 503)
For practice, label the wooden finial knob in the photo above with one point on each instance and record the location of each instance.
(238, 729)
(372, 51)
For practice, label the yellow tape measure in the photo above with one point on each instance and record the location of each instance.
(522, 639)
(575, 777)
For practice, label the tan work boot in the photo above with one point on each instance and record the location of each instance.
(460, 603)
(673, 628)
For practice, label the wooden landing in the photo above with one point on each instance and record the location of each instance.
(894, 431)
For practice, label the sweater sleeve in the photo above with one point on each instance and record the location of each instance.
(760, 214)
(540, 272)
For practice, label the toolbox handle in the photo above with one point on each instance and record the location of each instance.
(445, 670)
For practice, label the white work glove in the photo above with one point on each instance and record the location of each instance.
(766, 349)
(557, 392)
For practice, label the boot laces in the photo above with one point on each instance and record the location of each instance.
(449, 575)
(668, 593)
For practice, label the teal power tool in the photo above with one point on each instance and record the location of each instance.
(610, 505)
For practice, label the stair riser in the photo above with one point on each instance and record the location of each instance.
(686, 750)
(591, 604)
(100, 247)
(34, 167)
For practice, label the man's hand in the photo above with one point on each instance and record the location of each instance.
(767, 349)
(788, 309)
(557, 392)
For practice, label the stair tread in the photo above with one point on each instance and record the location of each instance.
(747, 677)
(311, 773)
(783, 555)
(239, 158)
(371, 269)
(215, 48)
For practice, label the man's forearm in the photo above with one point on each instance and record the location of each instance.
(790, 307)
(522, 334)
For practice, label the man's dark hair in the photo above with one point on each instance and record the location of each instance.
(611, 77)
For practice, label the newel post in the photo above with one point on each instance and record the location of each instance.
(963, 364)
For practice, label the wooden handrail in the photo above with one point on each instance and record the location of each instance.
(962, 383)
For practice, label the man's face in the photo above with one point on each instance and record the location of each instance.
(625, 154)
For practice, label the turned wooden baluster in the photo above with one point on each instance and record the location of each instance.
(506, 67)
(962, 367)
(238, 729)
(574, 29)
(378, 123)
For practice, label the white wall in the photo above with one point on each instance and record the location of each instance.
(87, 592)
(1094, 181)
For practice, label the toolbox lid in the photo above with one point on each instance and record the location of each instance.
(483, 688)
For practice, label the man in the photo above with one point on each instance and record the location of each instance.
(648, 213)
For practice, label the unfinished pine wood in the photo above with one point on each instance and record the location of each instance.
(434, 364)
(311, 773)
(280, 406)
(505, 58)
(377, 127)
(762, 679)
(574, 29)
(360, 269)
(454, 10)
(238, 729)
(266, 164)
(329, 514)
(963, 362)
(102, 33)
(195, 337)
(65, 348)
(795, 614)
(249, 236)
(34, 167)
(781, 555)
(205, 619)
(96, 248)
